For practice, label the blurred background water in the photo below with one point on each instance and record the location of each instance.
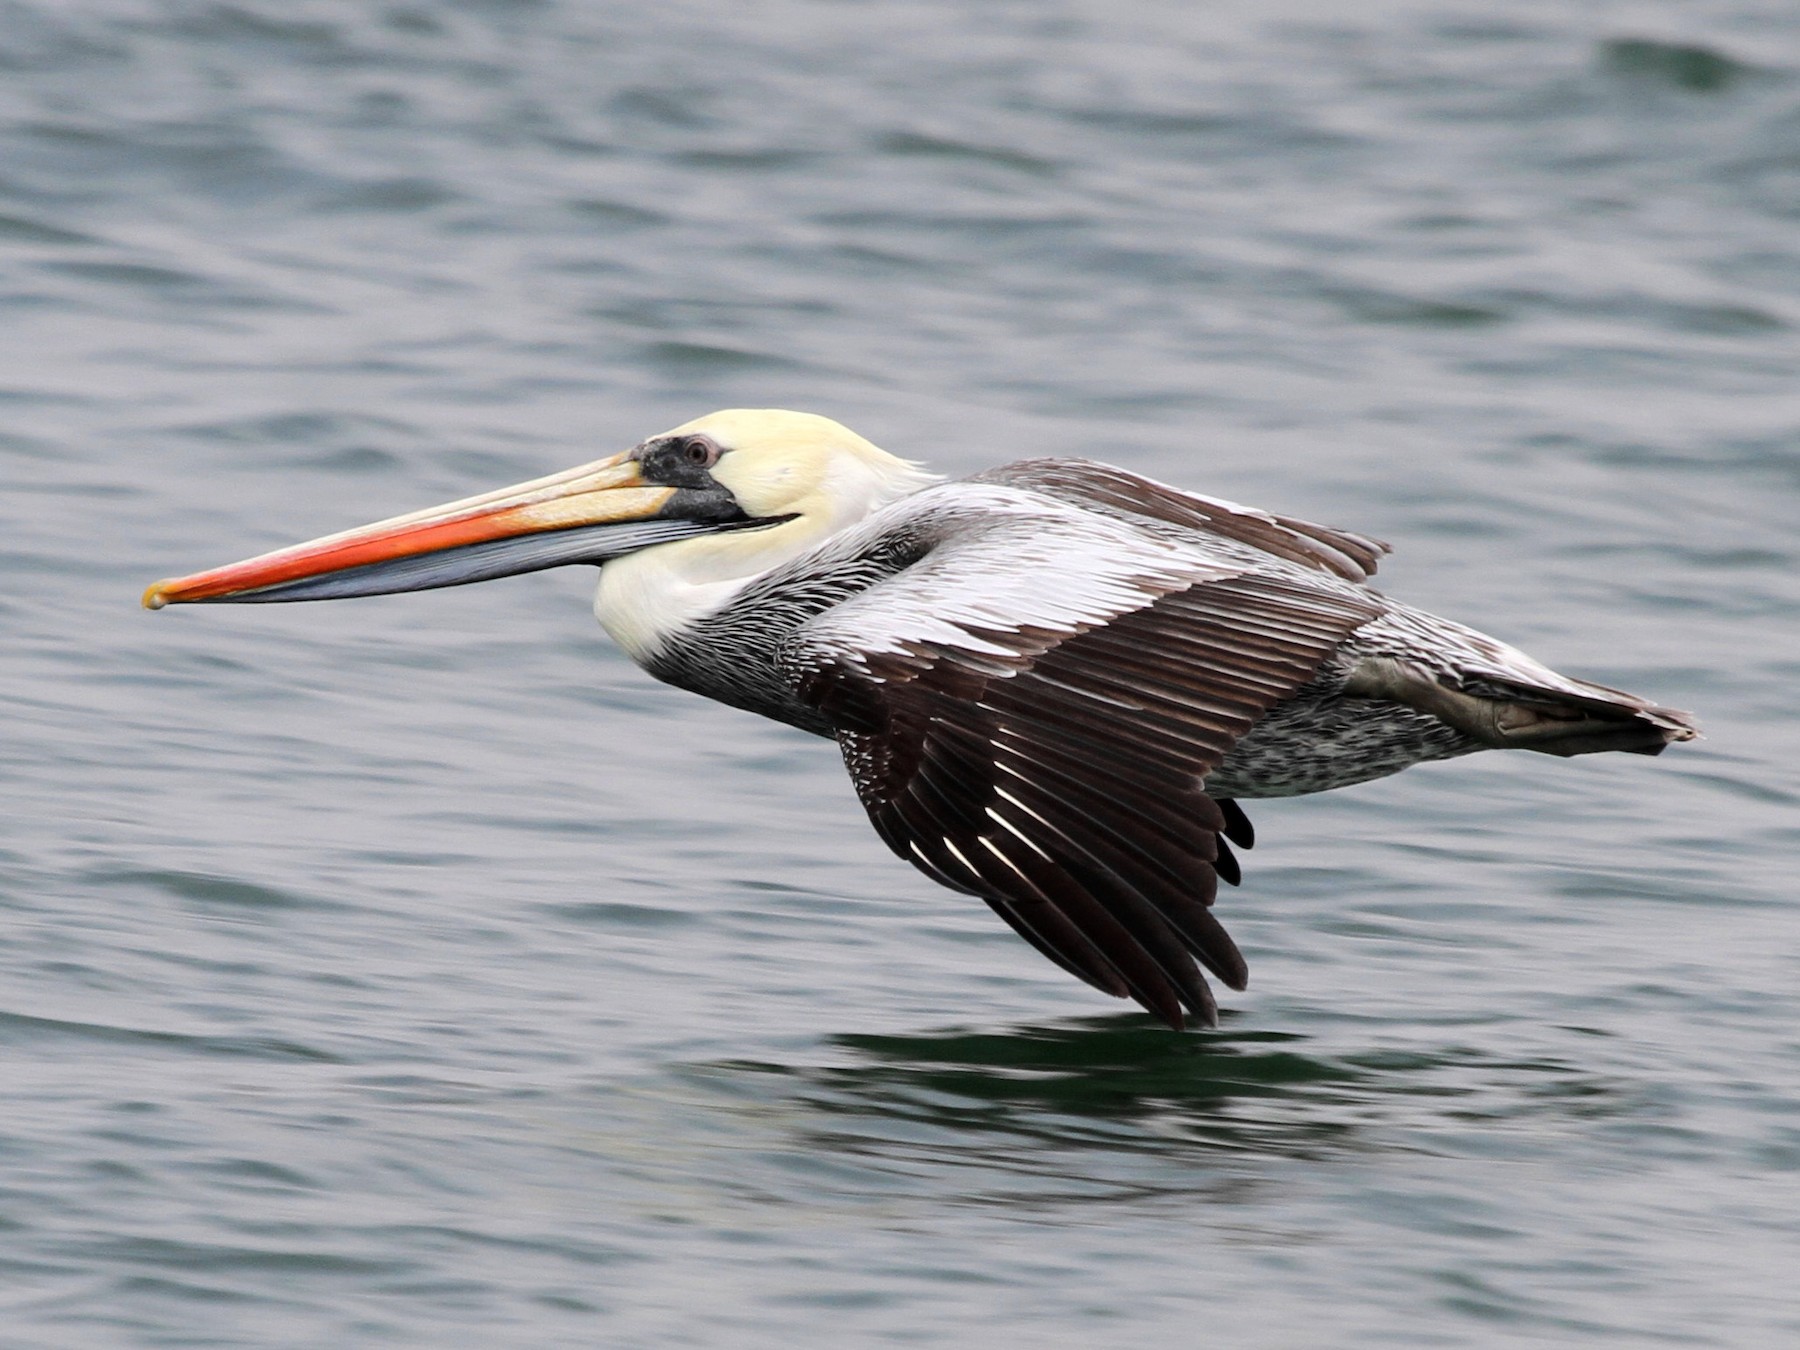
(416, 972)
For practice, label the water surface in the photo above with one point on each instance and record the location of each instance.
(416, 972)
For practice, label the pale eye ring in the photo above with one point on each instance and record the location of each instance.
(699, 451)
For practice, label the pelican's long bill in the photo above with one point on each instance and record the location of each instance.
(584, 515)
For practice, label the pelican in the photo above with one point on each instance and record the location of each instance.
(1051, 682)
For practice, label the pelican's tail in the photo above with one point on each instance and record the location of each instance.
(1527, 706)
(1561, 721)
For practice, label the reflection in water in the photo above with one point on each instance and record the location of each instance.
(1100, 1076)
(1117, 1108)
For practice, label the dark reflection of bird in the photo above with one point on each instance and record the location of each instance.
(1051, 682)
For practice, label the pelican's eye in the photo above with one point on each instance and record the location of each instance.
(680, 461)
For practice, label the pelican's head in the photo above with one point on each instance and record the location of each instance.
(797, 465)
(723, 498)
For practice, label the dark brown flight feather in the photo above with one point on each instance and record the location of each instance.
(1100, 486)
(1063, 783)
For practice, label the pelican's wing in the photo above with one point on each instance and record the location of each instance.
(1104, 488)
(1029, 710)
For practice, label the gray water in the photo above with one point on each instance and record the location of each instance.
(414, 971)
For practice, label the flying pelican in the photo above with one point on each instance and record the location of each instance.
(1051, 682)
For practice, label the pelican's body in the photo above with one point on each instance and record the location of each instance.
(1050, 681)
